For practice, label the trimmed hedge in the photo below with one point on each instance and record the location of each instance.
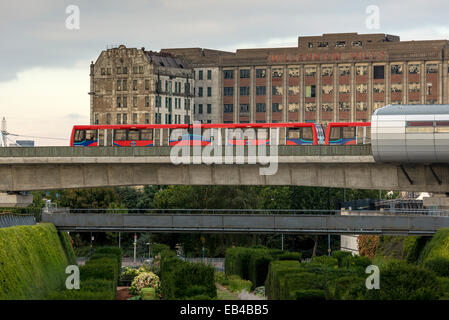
(298, 281)
(276, 275)
(32, 262)
(236, 284)
(312, 294)
(110, 251)
(439, 265)
(185, 280)
(437, 247)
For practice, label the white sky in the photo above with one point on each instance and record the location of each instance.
(44, 78)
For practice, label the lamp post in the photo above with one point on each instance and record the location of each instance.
(149, 253)
(135, 244)
(203, 240)
(91, 244)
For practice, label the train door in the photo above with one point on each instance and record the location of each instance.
(109, 137)
(101, 138)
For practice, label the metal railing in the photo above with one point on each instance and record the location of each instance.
(10, 220)
(393, 211)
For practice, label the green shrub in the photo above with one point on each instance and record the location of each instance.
(195, 290)
(444, 285)
(111, 250)
(157, 248)
(236, 284)
(237, 261)
(32, 262)
(355, 262)
(311, 294)
(340, 255)
(439, 265)
(289, 256)
(437, 247)
(298, 281)
(199, 297)
(98, 256)
(326, 260)
(220, 277)
(275, 279)
(148, 294)
(349, 287)
(402, 281)
(68, 248)
(258, 266)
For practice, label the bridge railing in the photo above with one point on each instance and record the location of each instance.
(394, 212)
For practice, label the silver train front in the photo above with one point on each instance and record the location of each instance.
(411, 133)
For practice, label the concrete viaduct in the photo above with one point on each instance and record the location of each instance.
(44, 168)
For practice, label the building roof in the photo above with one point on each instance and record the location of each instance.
(406, 109)
(164, 60)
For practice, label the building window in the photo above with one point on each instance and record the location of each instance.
(125, 70)
(134, 69)
(362, 88)
(344, 88)
(396, 87)
(323, 44)
(379, 72)
(340, 43)
(244, 91)
(228, 74)
(228, 91)
(414, 87)
(228, 108)
(357, 43)
(261, 90)
(361, 70)
(209, 74)
(327, 89)
(96, 118)
(310, 107)
(277, 90)
(119, 70)
(293, 72)
(261, 73)
(310, 71)
(119, 118)
(396, 69)
(119, 85)
(209, 108)
(134, 118)
(200, 91)
(186, 104)
(244, 73)
(187, 88)
(125, 102)
(108, 71)
(103, 71)
(413, 68)
(134, 85)
(200, 75)
(125, 85)
(147, 101)
(362, 106)
(344, 70)
(244, 108)
(147, 118)
(147, 84)
(378, 88)
(344, 106)
(293, 90)
(125, 118)
(200, 108)
(276, 107)
(209, 91)
(293, 107)
(187, 119)
(134, 101)
(108, 118)
(310, 91)
(261, 107)
(141, 69)
(277, 72)
(119, 102)
(327, 71)
(432, 68)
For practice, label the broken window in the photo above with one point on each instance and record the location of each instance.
(276, 107)
(396, 87)
(379, 87)
(344, 88)
(414, 87)
(344, 106)
(362, 88)
(340, 43)
(310, 91)
(361, 70)
(293, 90)
(323, 44)
(261, 73)
(327, 89)
(413, 68)
(293, 72)
(344, 70)
(277, 90)
(310, 71)
(362, 106)
(357, 43)
(277, 72)
(293, 107)
(310, 107)
(432, 68)
(396, 69)
(244, 108)
(327, 71)
(326, 107)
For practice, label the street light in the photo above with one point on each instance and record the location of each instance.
(149, 253)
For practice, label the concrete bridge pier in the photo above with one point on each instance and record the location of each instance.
(15, 200)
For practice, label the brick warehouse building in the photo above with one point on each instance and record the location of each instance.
(333, 77)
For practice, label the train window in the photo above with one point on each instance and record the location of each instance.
(335, 133)
(307, 133)
(91, 135)
(120, 134)
(146, 134)
(133, 134)
(294, 133)
(79, 135)
(348, 132)
(419, 126)
(442, 126)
